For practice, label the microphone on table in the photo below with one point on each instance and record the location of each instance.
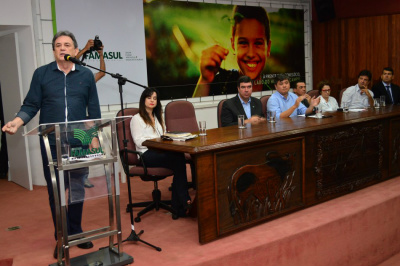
(67, 57)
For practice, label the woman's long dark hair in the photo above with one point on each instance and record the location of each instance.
(157, 111)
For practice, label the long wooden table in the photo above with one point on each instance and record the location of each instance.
(252, 175)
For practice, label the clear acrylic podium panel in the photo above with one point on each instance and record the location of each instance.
(74, 182)
(85, 147)
(81, 148)
(77, 140)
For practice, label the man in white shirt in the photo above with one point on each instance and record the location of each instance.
(359, 96)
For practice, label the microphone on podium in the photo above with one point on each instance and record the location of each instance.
(67, 57)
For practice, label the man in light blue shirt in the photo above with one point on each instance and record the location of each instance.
(286, 103)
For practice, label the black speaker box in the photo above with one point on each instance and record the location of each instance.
(325, 10)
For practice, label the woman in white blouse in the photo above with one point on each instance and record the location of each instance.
(149, 124)
(327, 102)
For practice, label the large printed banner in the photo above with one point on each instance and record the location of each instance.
(200, 49)
(119, 25)
(186, 49)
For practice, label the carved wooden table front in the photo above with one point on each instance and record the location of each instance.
(248, 176)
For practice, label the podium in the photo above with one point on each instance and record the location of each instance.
(80, 147)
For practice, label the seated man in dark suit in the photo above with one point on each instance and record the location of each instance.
(300, 90)
(387, 88)
(242, 104)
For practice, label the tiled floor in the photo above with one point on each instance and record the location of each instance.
(26, 229)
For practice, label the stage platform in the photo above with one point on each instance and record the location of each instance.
(361, 228)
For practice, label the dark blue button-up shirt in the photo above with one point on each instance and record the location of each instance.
(52, 91)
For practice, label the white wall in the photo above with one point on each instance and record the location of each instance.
(32, 21)
(15, 12)
(16, 17)
(206, 107)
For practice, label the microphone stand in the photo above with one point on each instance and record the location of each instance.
(121, 81)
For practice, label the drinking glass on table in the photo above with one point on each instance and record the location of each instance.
(377, 103)
(382, 100)
(318, 112)
(202, 128)
(345, 107)
(241, 121)
(271, 116)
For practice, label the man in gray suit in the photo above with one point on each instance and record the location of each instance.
(242, 104)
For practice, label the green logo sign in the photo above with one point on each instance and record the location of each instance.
(106, 55)
(86, 138)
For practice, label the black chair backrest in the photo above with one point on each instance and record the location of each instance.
(132, 158)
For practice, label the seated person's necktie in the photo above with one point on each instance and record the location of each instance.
(390, 95)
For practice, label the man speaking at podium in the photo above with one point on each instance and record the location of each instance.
(63, 92)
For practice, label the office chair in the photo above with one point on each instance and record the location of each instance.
(264, 100)
(313, 93)
(340, 96)
(180, 116)
(133, 165)
(219, 110)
